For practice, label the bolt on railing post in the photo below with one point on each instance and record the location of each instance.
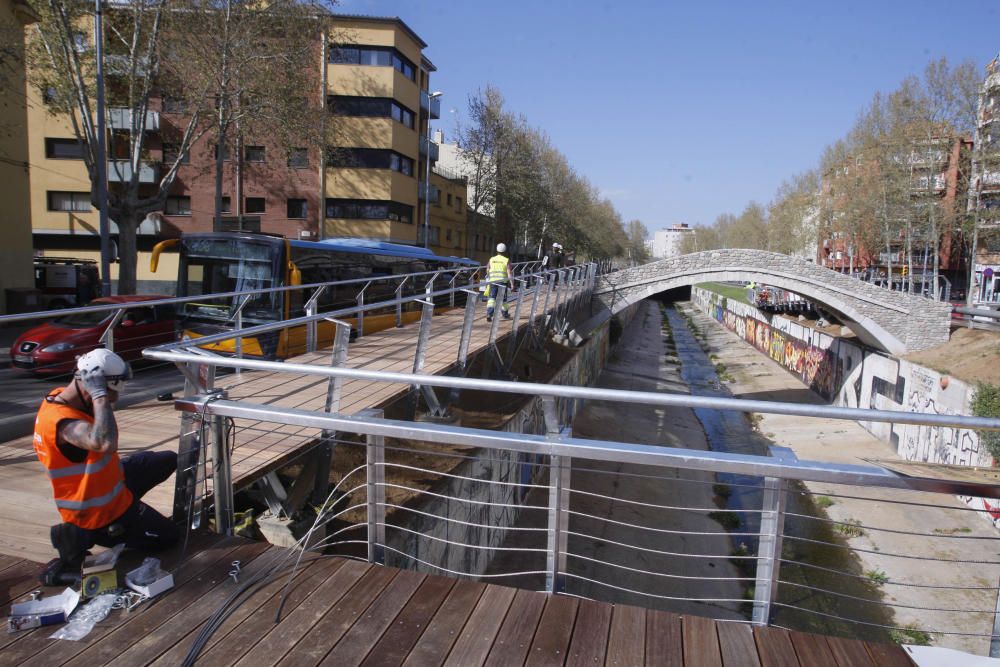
(375, 491)
(772, 526)
(222, 474)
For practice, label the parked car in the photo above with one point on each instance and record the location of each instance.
(53, 347)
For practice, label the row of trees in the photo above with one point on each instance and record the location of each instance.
(883, 185)
(232, 68)
(530, 190)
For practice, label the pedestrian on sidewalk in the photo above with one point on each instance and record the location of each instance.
(499, 272)
(97, 494)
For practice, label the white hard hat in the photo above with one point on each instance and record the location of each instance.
(115, 369)
(501, 247)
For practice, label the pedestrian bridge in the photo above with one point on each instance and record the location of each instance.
(895, 322)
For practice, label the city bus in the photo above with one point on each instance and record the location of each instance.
(218, 262)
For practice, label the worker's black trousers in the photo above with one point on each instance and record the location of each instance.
(140, 527)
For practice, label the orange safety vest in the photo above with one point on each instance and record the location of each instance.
(90, 494)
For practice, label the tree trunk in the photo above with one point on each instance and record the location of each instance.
(128, 224)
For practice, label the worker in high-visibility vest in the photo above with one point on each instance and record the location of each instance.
(498, 272)
(97, 494)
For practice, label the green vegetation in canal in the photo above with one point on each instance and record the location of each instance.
(952, 531)
(910, 635)
(823, 502)
(850, 528)
(877, 577)
(728, 291)
(730, 521)
(986, 403)
(824, 584)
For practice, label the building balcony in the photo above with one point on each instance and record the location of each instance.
(989, 181)
(120, 118)
(424, 143)
(424, 189)
(120, 171)
(431, 106)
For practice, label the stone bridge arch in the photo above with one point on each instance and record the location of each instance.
(895, 322)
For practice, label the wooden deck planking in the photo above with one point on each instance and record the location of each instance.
(346, 612)
(26, 508)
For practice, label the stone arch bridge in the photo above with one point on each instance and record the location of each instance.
(895, 322)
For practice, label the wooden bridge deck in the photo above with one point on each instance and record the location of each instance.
(347, 612)
(26, 507)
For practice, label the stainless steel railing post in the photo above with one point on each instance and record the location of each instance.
(375, 491)
(222, 475)
(772, 526)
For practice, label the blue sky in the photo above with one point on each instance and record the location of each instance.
(681, 111)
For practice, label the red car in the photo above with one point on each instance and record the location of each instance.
(54, 346)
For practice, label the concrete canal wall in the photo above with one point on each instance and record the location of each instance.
(484, 493)
(847, 374)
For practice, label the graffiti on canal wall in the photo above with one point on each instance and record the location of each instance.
(813, 362)
(847, 374)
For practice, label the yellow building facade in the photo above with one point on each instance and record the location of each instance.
(375, 90)
(15, 220)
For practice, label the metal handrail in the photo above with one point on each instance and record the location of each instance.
(598, 450)
(306, 319)
(471, 530)
(45, 314)
(171, 353)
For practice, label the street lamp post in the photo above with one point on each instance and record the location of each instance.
(102, 162)
(427, 172)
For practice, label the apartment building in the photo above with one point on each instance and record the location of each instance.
(984, 188)
(668, 242)
(934, 171)
(15, 252)
(374, 86)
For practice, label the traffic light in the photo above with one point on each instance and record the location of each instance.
(906, 270)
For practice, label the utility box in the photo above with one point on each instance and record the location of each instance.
(65, 282)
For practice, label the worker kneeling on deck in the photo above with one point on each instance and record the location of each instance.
(97, 494)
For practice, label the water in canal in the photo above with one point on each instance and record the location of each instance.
(687, 559)
(689, 554)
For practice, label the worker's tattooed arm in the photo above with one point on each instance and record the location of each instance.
(101, 436)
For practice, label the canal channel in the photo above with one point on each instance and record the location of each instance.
(694, 554)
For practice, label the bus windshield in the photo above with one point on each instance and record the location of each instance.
(211, 266)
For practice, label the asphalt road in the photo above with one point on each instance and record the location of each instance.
(21, 392)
